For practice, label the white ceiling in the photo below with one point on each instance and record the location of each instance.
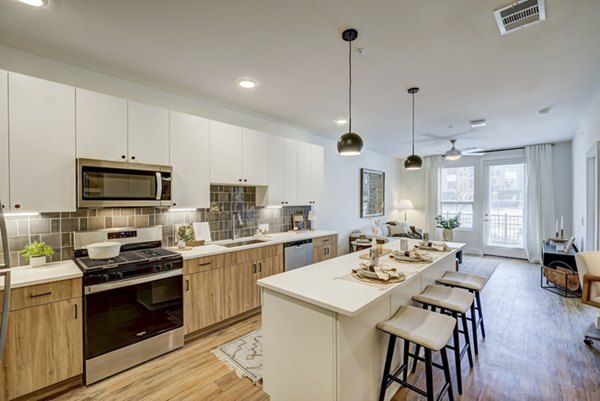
(451, 49)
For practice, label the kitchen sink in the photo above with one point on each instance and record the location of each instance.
(242, 243)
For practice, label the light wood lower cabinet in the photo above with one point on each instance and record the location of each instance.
(227, 287)
(44, 345)
(324, 248)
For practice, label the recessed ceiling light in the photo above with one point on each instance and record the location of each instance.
(341, 121)
(247, 83)
(545, 110)
(478, 123)
(35, 3)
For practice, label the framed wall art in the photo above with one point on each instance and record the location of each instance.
(372, 193)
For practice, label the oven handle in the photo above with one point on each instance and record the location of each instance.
(92, 289)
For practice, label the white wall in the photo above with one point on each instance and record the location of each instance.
(340, 210)
(588, 134)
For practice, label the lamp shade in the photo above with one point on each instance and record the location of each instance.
(312, 215)
(413, 162)
(405, 204)
(349, 144)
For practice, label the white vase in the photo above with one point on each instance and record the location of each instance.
(448, 235)
(37, 261)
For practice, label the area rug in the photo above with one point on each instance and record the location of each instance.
(483, 266)
(244, 356)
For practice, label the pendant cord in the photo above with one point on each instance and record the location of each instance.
(413, 123)
(350, 86)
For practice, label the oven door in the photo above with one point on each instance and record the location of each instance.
(114, 184)
(125, 312)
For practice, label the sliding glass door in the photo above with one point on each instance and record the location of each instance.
(503, 207)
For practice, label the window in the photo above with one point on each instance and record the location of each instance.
(457, 193)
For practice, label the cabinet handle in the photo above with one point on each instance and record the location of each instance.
(123, 157)
(132, 157)
(2, 206)
(240, 180)
(245, 180)
(75, 311)
(260, 267)
(204, 264)
(43, 294)
(187, 285)
(254, 267)
(17, 206)
(174, 204)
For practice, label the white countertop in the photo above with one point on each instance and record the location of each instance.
(321, 283)
(24, 276)
(214, 248)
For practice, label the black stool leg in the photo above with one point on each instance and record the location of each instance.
(474, 328)
(429, 374)
(457, 355)
(479, 310)
(446, 366)
(386, 368)
(405, 360)
(414, 366)
(463, 317)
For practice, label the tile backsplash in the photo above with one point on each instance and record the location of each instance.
(56, 229)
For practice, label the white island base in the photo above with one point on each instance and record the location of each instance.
(317, 351)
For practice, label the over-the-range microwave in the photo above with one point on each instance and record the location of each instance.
(103, 183)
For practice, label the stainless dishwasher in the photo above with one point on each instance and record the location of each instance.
(297, 254)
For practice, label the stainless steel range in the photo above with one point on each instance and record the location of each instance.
(133, 303)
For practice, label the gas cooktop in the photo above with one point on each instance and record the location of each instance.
(127, 258)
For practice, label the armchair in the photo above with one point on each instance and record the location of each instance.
(588, 266)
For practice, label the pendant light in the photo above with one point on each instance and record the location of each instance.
(413, 162)
(349, 144)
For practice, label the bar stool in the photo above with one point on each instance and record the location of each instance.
(430, 330)
(456, 302)
(472, 283)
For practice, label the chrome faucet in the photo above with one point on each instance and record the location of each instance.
(239, 219)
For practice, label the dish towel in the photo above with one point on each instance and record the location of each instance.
(379, 272)
(412, 255)
(433, 246)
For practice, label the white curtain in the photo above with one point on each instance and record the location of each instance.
(432, 192)
(539, 200)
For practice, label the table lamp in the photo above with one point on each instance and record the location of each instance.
(405, 204)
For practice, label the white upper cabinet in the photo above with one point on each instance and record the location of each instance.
(190, 152)
(317, 157)
(225, 153)
(310, 173)
(101, 126)
(148, 134)
(4, 199)
(290, 183)
(275, 191)
(255, 157)
(304, 173)
(238, 155)
(42, 145)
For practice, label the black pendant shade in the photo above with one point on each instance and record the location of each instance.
(413, 162)
(349, 144)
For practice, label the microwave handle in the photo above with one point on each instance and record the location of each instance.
(158, 185)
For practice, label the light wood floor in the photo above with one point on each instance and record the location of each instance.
(533, 351)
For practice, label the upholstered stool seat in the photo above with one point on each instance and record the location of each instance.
(455, 302)
(463, 280)
(430, 330)
(446, 298)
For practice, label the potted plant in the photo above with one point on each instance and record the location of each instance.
(36, 252)
(447, 224)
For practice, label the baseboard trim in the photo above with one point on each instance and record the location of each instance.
(190, 337)
(53, 390)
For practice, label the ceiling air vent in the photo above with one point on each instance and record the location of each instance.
(520, 14)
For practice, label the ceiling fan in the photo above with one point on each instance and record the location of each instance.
(455, 154)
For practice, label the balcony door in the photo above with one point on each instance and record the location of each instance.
(503, 208)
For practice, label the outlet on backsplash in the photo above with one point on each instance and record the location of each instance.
(56, 229)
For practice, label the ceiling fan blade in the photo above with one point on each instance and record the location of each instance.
(473, 154)
(472, 150)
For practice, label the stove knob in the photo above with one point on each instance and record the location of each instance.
(169, 266)
(105, 277)
(157, 268)
(118, 275)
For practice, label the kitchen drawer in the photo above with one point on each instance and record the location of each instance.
(198, 265)
(322, 241)
(249, 255)
(40, 294)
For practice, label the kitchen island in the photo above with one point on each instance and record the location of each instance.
(319, 335)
